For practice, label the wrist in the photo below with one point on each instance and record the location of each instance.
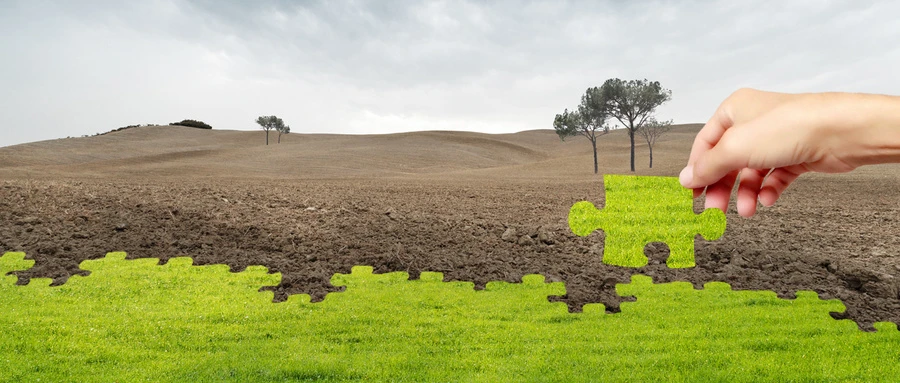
(865, 128)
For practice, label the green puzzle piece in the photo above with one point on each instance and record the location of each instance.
(640, 210)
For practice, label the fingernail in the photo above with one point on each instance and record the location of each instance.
(686, 176)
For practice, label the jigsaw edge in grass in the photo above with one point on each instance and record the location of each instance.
(425, 329)
(10, 262)
(364, 275)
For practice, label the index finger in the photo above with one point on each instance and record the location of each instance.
(707, 138)
(710, 134)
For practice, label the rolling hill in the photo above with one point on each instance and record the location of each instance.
(175, 151)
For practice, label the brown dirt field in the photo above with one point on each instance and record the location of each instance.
(316, 205)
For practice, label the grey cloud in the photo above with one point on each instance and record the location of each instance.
(354, 66)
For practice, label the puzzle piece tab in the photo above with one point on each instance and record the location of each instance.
(644, 209)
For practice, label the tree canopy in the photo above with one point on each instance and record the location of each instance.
(284, 129)
(589, 120)
(651, 130)
(268, 123)
(631, 102)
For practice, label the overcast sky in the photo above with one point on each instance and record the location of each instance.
(71, 68)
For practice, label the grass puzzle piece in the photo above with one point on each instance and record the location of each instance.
(644, 209)
(10, 262)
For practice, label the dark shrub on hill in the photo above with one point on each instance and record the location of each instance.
(193, 124)
(119, 129)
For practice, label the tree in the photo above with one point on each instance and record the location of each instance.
(589, 121)
(283, 130)
(631, 102)
(651, 130)
(270, 122)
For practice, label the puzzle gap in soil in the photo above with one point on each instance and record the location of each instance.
(115, 276)
(470, 233)
(136, 319)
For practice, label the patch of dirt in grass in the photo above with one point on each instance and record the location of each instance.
(838, 236)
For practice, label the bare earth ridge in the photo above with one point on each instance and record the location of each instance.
(476, 207)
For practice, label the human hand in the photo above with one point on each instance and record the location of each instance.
(768, 140)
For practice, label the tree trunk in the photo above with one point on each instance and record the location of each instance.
(279, 137)
(651, 156)
(631, 135)
(594, 143)
(267, 137)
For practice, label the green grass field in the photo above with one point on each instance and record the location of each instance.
(132, 320)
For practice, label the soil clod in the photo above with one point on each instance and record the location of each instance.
(509, 235)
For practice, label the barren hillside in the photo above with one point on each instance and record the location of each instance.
(179, 151)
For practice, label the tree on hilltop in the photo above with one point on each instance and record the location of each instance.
(651, 130)
(285, 129)
(268, 123)
(631, 102)
(589, 120)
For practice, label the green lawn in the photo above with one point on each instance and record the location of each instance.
(136, 321)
